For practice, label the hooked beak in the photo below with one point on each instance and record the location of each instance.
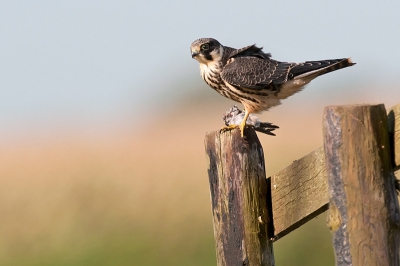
(194, 54)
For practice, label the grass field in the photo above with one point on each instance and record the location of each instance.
(136, 197)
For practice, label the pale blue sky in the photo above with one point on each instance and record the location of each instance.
(95, 63)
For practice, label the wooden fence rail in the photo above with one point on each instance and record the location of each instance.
(362, 147)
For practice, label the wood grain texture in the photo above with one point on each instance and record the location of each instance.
(239, 195)
(299, 193)
(364, 214)
(292, 207)
(394, 133)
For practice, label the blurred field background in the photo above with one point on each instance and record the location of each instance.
(103, 116)
(139, 197)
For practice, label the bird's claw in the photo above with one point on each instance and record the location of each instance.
(235, 118)
(228, 128)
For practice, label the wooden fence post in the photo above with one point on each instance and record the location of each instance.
(239, 195)
(394, 133)
(363, 214)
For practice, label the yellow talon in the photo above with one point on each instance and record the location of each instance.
(227, 128)
(241, 126)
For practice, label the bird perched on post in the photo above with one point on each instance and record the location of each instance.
(249, 76)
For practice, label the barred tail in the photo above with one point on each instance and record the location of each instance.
(339, 64)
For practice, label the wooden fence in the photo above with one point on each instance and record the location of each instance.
(351, 176)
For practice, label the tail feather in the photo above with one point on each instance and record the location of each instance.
(317, 68)
(308, 71)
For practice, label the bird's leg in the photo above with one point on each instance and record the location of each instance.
(243, 124)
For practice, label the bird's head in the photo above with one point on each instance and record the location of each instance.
(206, 50)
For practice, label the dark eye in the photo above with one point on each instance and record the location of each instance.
(205, 47)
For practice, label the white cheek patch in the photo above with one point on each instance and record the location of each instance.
(201, 59)
(217, 54)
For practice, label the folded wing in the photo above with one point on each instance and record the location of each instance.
(255, 73)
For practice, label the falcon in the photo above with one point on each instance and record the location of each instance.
(251, 77)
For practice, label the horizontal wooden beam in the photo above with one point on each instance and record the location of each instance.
(299, 193)
(291, 205)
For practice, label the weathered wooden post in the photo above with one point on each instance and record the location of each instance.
(394, 133)
(239, 195)
(363, 213)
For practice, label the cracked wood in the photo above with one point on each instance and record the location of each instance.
(300, 191)
(240, 199)
(364, 213)
(394, 133)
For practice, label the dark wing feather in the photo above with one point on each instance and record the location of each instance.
(255, 73)
(251, 50)
(309, 66)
